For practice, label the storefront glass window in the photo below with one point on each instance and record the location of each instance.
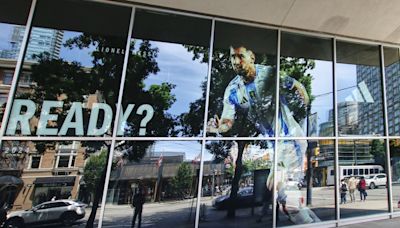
(164, 91)
(54, 183)
(361, 193)
(153, 183)
(392, 69)
(359, 89)
(237, 182)
(395, 163)
(243, 78)
(73, 69)
(306, 86)
(13, 17)
(305, 182)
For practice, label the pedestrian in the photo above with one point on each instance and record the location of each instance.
(352, 188)
(137, 202)
(362, 187)
(54, 198)
(281, 200)
(343, 192)
(267, 201)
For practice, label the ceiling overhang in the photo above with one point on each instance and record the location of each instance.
(374, 20)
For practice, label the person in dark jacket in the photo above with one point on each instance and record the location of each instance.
(137, 202)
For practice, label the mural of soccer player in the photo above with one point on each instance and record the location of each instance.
(251, 90)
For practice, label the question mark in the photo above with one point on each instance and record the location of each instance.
(149, 115)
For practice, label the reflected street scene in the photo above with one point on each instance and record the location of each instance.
(52, 183)
(235, 187)
(153, 184)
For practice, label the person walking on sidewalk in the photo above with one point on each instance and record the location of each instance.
(137, 203)
(362, 187)
(352, 188)
(343, 192)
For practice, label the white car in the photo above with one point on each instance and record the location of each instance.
(376, 180)
(64, 211)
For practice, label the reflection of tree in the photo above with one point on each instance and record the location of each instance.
(56, 79)
(378, 151)
(181, 184)
(222, 73)
(92, 171)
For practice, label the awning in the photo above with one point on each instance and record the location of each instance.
(10, 180)
(55, 181)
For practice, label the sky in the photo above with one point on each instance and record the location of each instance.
(177, 67)
(5, 34)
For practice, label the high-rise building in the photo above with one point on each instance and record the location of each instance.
(41, 40)
(369, 86)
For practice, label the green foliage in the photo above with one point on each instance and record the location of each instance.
(181, 184)
(93, 169)
(378, 151)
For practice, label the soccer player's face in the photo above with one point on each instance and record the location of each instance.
(242, 60)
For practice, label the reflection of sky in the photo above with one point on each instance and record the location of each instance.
(5, 35)
(83, 56)
(322, 85)
(177, 67)
(346, 77)
(190, 148)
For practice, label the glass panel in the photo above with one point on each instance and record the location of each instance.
(13, 17)
(241, 167)
(243, 81)
(153, 183)
(395, 164)
(164, 91)
(305, 181)
(362, 194)
(306, 85)
(359, 90)
(73, 68)
(38, 190)
(392, 74)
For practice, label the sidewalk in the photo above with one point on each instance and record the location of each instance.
(386, 223)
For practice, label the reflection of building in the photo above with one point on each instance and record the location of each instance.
(370, 114)
(348, 117)
(41, 40)
(56, 171)
(393, 101)
(125, 179)
(6, 75)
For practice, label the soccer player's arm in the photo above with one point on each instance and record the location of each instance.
(225, 123)
(291, 83)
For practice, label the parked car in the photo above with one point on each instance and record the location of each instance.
(376, 180)
(245, 198)
(64, 211)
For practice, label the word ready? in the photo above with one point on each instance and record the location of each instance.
(23, 111)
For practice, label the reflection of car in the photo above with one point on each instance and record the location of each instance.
(376, 180)
(245, 198)
(294, 183)
(64, 211)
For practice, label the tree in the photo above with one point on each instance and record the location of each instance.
(181, 184)
(222, 73)
(378, 151)
(93, 169)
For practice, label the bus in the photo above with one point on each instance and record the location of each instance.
(355, 170)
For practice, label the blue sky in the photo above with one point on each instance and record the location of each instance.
(177, 67)
(5, 34)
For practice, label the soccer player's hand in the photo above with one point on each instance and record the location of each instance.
(213, 125)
